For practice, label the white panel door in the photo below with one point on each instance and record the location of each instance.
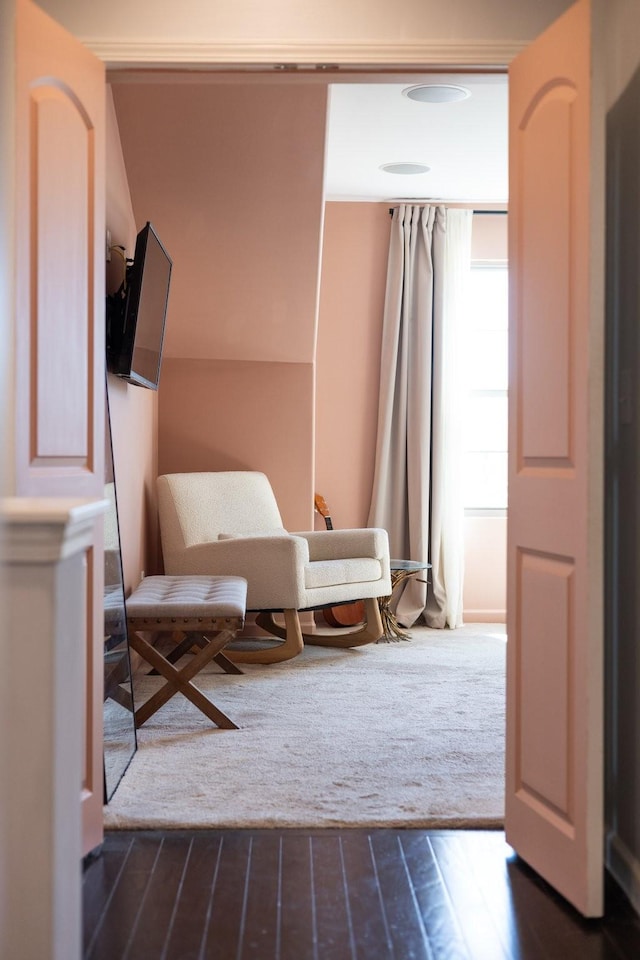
(60, 268)
(554, 805)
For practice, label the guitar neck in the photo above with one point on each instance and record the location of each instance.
(323, 510)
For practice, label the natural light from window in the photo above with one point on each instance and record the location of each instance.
(485, 368)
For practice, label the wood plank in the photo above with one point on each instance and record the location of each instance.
(260, 928)
(562, 932)
(335, 935)
(223, 935)
(191, 918)
(120, 916)
(157, 907)
(439, 915)
(298, 930)
(409, 936)
(485, 940)
(100, 879)
(366, 903)
(349, 894)
(487, 856)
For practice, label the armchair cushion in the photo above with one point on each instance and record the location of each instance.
(330, 573)
(344, 544)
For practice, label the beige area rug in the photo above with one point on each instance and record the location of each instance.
(407, 734)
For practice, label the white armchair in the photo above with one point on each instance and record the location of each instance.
(228, 523)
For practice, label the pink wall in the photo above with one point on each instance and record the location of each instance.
(489, 237)
(485, 570)
(212, 417)
(354, 266)
(133, 409)
(231, 176)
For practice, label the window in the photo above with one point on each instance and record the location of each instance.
(485, 371)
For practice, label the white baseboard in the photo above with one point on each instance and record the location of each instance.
(484, 616)
(624, 867)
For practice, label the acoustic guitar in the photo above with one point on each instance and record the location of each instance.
(344, 614)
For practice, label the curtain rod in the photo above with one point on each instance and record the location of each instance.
(476, 213)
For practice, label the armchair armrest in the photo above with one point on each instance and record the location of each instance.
(344, 544)
(273, 567)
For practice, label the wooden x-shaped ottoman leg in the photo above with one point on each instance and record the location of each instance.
(186, 644)
(200, 640)
(180, 680)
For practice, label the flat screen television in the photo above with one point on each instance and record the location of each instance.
(136, 314)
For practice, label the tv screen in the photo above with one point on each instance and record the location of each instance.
(136, 314)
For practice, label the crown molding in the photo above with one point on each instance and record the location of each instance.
(320, 55)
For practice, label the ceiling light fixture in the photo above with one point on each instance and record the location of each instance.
(405, 168)
(436, 92)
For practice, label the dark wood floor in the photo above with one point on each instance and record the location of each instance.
(334, 895)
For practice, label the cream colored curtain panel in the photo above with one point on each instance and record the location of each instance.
(417, 481)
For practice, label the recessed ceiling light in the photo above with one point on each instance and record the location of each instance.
(406, 168)
(436, 92)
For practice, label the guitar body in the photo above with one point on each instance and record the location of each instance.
(344, 614)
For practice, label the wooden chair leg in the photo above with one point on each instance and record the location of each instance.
(291, 634)
(369, 632)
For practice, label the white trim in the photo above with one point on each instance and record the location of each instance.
(485, 54)
(43, 543)
(624, 867)
(41, 530)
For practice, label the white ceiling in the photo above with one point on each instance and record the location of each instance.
(464, 143)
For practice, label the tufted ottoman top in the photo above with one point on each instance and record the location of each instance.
(189, 597)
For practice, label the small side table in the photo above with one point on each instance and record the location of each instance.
(401, 570)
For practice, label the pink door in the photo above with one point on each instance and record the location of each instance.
(59, 369)
(554, 805)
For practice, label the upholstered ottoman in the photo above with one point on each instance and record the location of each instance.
(204, 613)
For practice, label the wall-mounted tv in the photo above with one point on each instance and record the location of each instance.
(136, 314)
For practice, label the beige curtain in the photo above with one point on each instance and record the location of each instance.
(417, 481)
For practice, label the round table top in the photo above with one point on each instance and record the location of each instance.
(410, 566)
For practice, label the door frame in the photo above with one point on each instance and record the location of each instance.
(383, 62)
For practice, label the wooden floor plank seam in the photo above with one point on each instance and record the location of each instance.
(335, 894)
